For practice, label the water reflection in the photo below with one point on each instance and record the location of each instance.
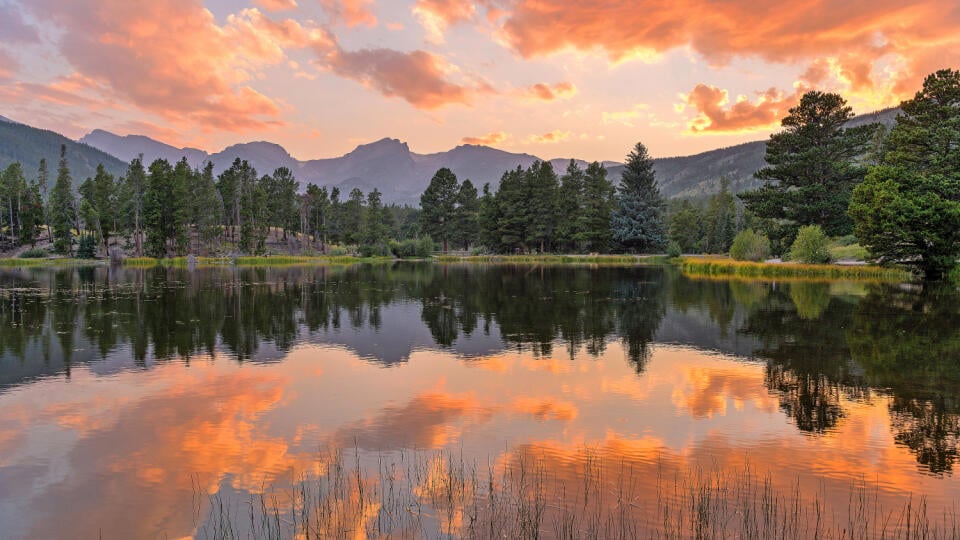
(125, 393)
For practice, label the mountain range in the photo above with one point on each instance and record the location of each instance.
(387, 164)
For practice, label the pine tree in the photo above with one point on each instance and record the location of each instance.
(353, 217)
(32, 215)
(465, 216)
(593, 222)
(686, 227)
(43, 181)
(720, 220)
(814, 165)
(907, 209)
(62, 207)
(637, 221)
(13, 189)
(206, 207)
(512, 220)
(134, 188)
(375, 230)
(437, 205)
(542, 187)
(336, 217)
(488, 218)
(570, 197)
(98, 204)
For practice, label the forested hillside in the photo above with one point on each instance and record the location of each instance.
(28, 145)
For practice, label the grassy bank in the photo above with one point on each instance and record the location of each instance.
(554, 259)
(712, 266)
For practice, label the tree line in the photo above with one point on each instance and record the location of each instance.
(165, 209)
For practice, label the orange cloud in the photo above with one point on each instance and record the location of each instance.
(921, 34)
(546, 408)
(276, 5)
(351, 12)
(486, 140)
(714, 116)
(437, 15)
(554, 136)
(170, 57)
(547, 92)
(418, 77)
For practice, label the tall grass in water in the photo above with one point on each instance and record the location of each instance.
(716, 266)
(441, 495)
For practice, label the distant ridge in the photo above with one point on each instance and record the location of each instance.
(386, 164)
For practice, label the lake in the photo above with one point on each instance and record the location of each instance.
(417, 400)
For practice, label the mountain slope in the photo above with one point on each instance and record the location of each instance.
(28, 145)
(127, 147)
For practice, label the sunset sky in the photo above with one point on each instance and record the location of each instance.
(555, 78)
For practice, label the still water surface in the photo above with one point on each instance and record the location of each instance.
(163, 403)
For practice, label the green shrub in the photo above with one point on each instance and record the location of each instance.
(375, 250)
(811, 246)
(35, 253)
(337, 251)
(425, 247)
(673, 249)
(87, 248)
(750, 246)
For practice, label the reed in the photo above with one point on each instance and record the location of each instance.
(553, 259)
(442, 495)
(705, 266)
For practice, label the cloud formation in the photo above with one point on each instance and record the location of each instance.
(716, 115)
(351, 12)
(486, 140)
(548, 92)
(554, 136)
(855, 34)
(436, 15)
(276, 5)
(418, 77)
(13, 28)
(171, 58)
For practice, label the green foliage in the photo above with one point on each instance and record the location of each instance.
(673, 249)
(541, 185)
(352, 212)
(425, 247)
(466, 216)
(438, 205)
(811, 246)
(719, 221)
(62, 208)
(750, 246)
(637, 221)
(488, 220)
(907, 209)
(686, 227)
(511, 201)
(570, 199)
(593, 220)
(35, 253)
(87, 249)
(375, 230)
(813, 167)
(166, 208)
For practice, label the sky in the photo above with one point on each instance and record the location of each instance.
(554, 78)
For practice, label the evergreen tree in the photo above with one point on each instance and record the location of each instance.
(317, 213)
(512, 220)
(719, 221)
(570, 197)
(541, 208)
(353, 217)
(488, 220)
(336, 217)
(282, 200)
(814, 165)
(907, 210)
(466, 214)
(254, 214)
(98, 205)
(375, 230)
(32, 215)
(43, 181)
(134, 188)
(438, 204)
(62, 207)
(206, 207)
(686, 227)
(12, 191)
(637, 221)
(593, 221)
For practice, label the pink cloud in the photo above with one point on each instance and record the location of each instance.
(715, 116)
(276, 5)
(486, 140)
(171, 58)
(351, 12)
(548, 92)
